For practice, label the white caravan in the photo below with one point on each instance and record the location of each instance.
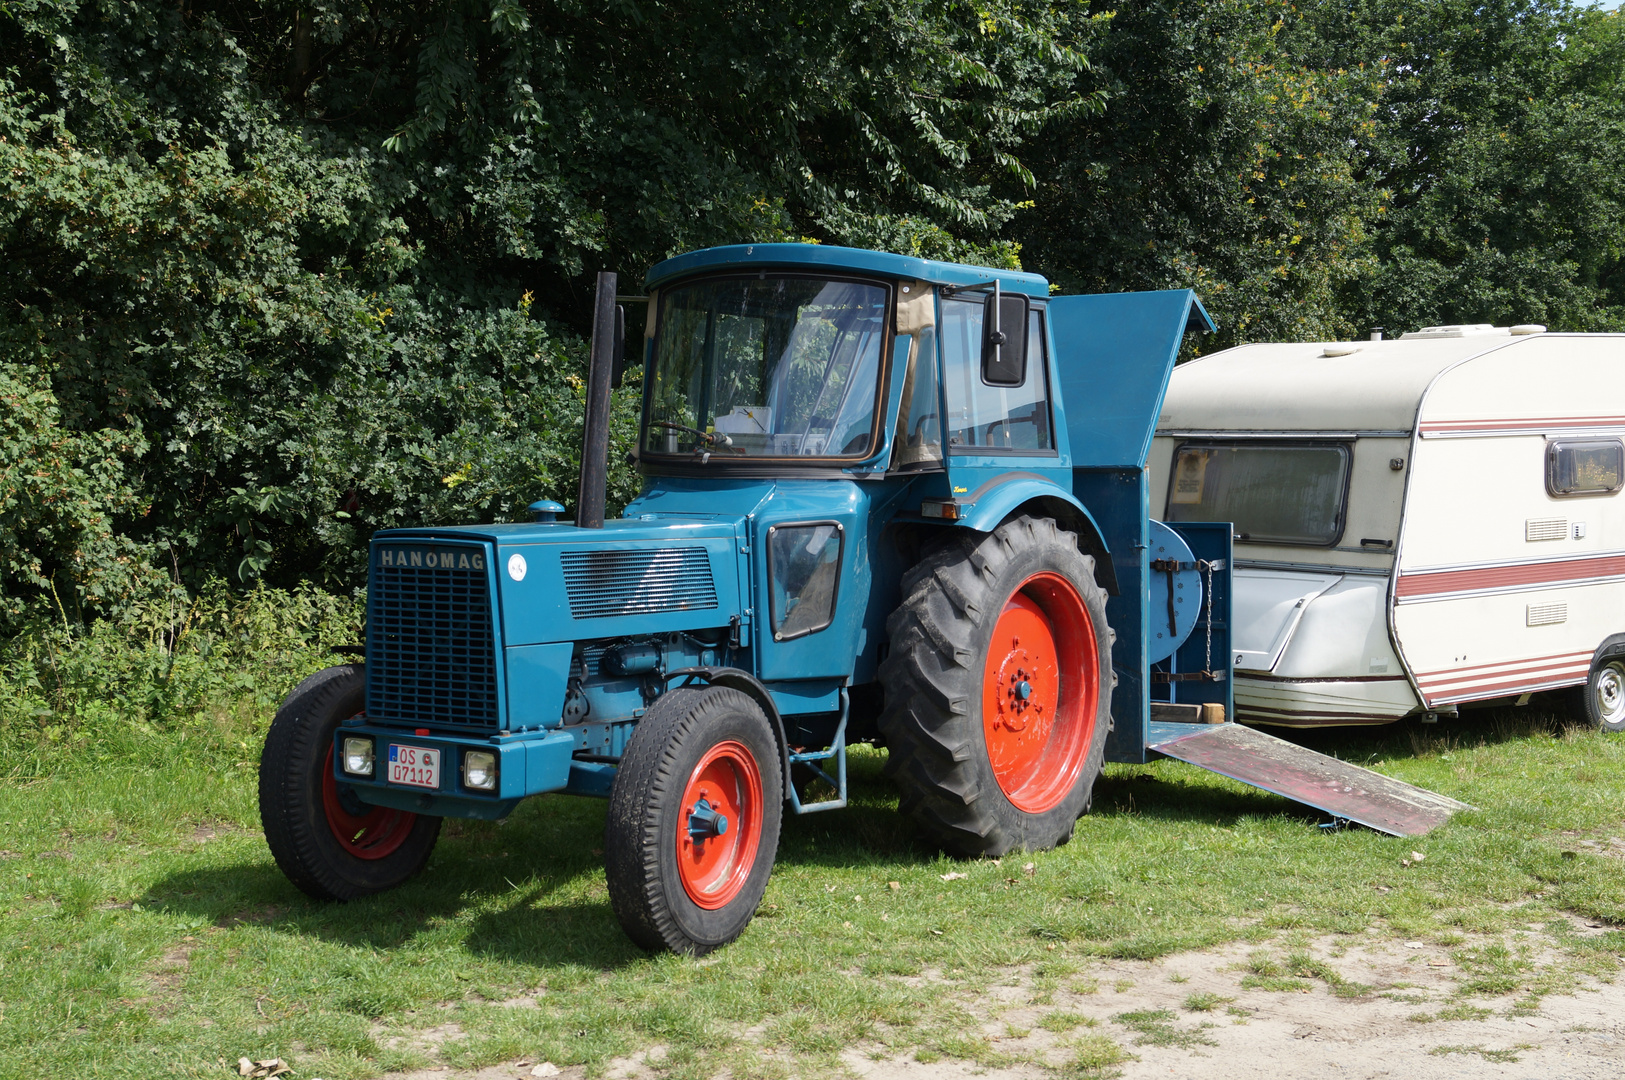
(1420, 523)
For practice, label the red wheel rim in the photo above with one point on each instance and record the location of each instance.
(1040, 693)
(719, 825)
(373, 835)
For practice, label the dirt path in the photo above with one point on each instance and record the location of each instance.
(1205, 1016)
(1288, 1035)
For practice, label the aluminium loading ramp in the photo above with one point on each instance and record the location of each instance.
(1325, 783)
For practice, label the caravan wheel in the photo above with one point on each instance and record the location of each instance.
(1604, 692)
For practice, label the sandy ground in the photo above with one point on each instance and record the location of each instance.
(1258, 1033)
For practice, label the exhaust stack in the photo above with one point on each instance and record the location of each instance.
(595, 426)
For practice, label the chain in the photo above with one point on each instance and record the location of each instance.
(1207, 564)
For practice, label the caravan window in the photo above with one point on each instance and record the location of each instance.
(1273, 493)
(1584, 466)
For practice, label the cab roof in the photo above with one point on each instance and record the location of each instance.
(819, 257)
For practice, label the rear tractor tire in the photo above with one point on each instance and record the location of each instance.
(329, 843)
(998, 688)
(694, 820)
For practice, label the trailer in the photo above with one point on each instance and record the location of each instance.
(884, 499)
(1421, 524)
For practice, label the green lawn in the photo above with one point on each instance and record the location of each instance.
(149, 934)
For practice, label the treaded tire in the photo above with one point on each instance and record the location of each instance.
(645, 860)
(937, 678)
(293, 810)
(1600, 702)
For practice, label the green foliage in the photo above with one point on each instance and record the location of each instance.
(284, 275)
(166, 671)
(1222, 162)
(1500, 144)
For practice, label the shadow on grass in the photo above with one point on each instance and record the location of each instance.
(531, 888)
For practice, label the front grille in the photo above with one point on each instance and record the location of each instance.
(431, 646)
(603, 583)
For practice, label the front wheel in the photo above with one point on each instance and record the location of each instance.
(329, 843)
(998, 688)
(1601, 701)
(694, 820)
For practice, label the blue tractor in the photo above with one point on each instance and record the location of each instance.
(885, 499)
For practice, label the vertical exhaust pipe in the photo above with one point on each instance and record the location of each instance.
(595, 426)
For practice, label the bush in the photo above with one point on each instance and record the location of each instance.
(204, 673)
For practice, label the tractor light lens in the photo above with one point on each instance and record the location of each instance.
(480, 770)
(358, 757)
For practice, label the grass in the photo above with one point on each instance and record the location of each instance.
(149, 934)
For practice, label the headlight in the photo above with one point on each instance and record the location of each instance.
(358, 757)
(480, 770)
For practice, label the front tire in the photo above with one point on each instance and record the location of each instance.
(329, 843)
(694, 820)
(998, 688)
(1601, 701)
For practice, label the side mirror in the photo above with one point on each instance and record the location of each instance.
(1004, 339)
(618, 357)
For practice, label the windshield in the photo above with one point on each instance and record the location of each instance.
(767, 367)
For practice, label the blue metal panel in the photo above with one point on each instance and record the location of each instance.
(814, 696)
(537, 678)
(827, 653)
(819, 257)
(1181, 595)
(1118, 498)
(1202, 650)
(1115, 352)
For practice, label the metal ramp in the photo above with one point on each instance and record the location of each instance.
(1338, 788)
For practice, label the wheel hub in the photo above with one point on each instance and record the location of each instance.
(1019, 700)
(1040, 691)
(703, 820)
(1611, 694)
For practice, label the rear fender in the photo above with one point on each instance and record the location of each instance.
(1035, 495)
(1610, 648)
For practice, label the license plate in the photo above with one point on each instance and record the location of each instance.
(414, 766)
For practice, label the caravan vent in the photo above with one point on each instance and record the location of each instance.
(1546, 614)
(1546, 529)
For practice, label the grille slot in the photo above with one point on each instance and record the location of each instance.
(1546, 529)
(431, 646)
(599, 584)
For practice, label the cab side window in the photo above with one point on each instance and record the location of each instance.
(985, 418)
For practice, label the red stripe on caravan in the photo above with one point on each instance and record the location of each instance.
(1444, 582)
(1433, 426)
(1523, 675)
(1522, 685)
(1503, 667)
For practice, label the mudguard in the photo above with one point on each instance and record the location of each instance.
(998, 501)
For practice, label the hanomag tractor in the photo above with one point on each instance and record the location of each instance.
(884, 499)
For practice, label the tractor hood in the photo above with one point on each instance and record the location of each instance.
(656, 573)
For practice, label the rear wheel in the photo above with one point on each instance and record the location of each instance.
(1601, 701)
(998, 688)
(329, 843)
(694, 820)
